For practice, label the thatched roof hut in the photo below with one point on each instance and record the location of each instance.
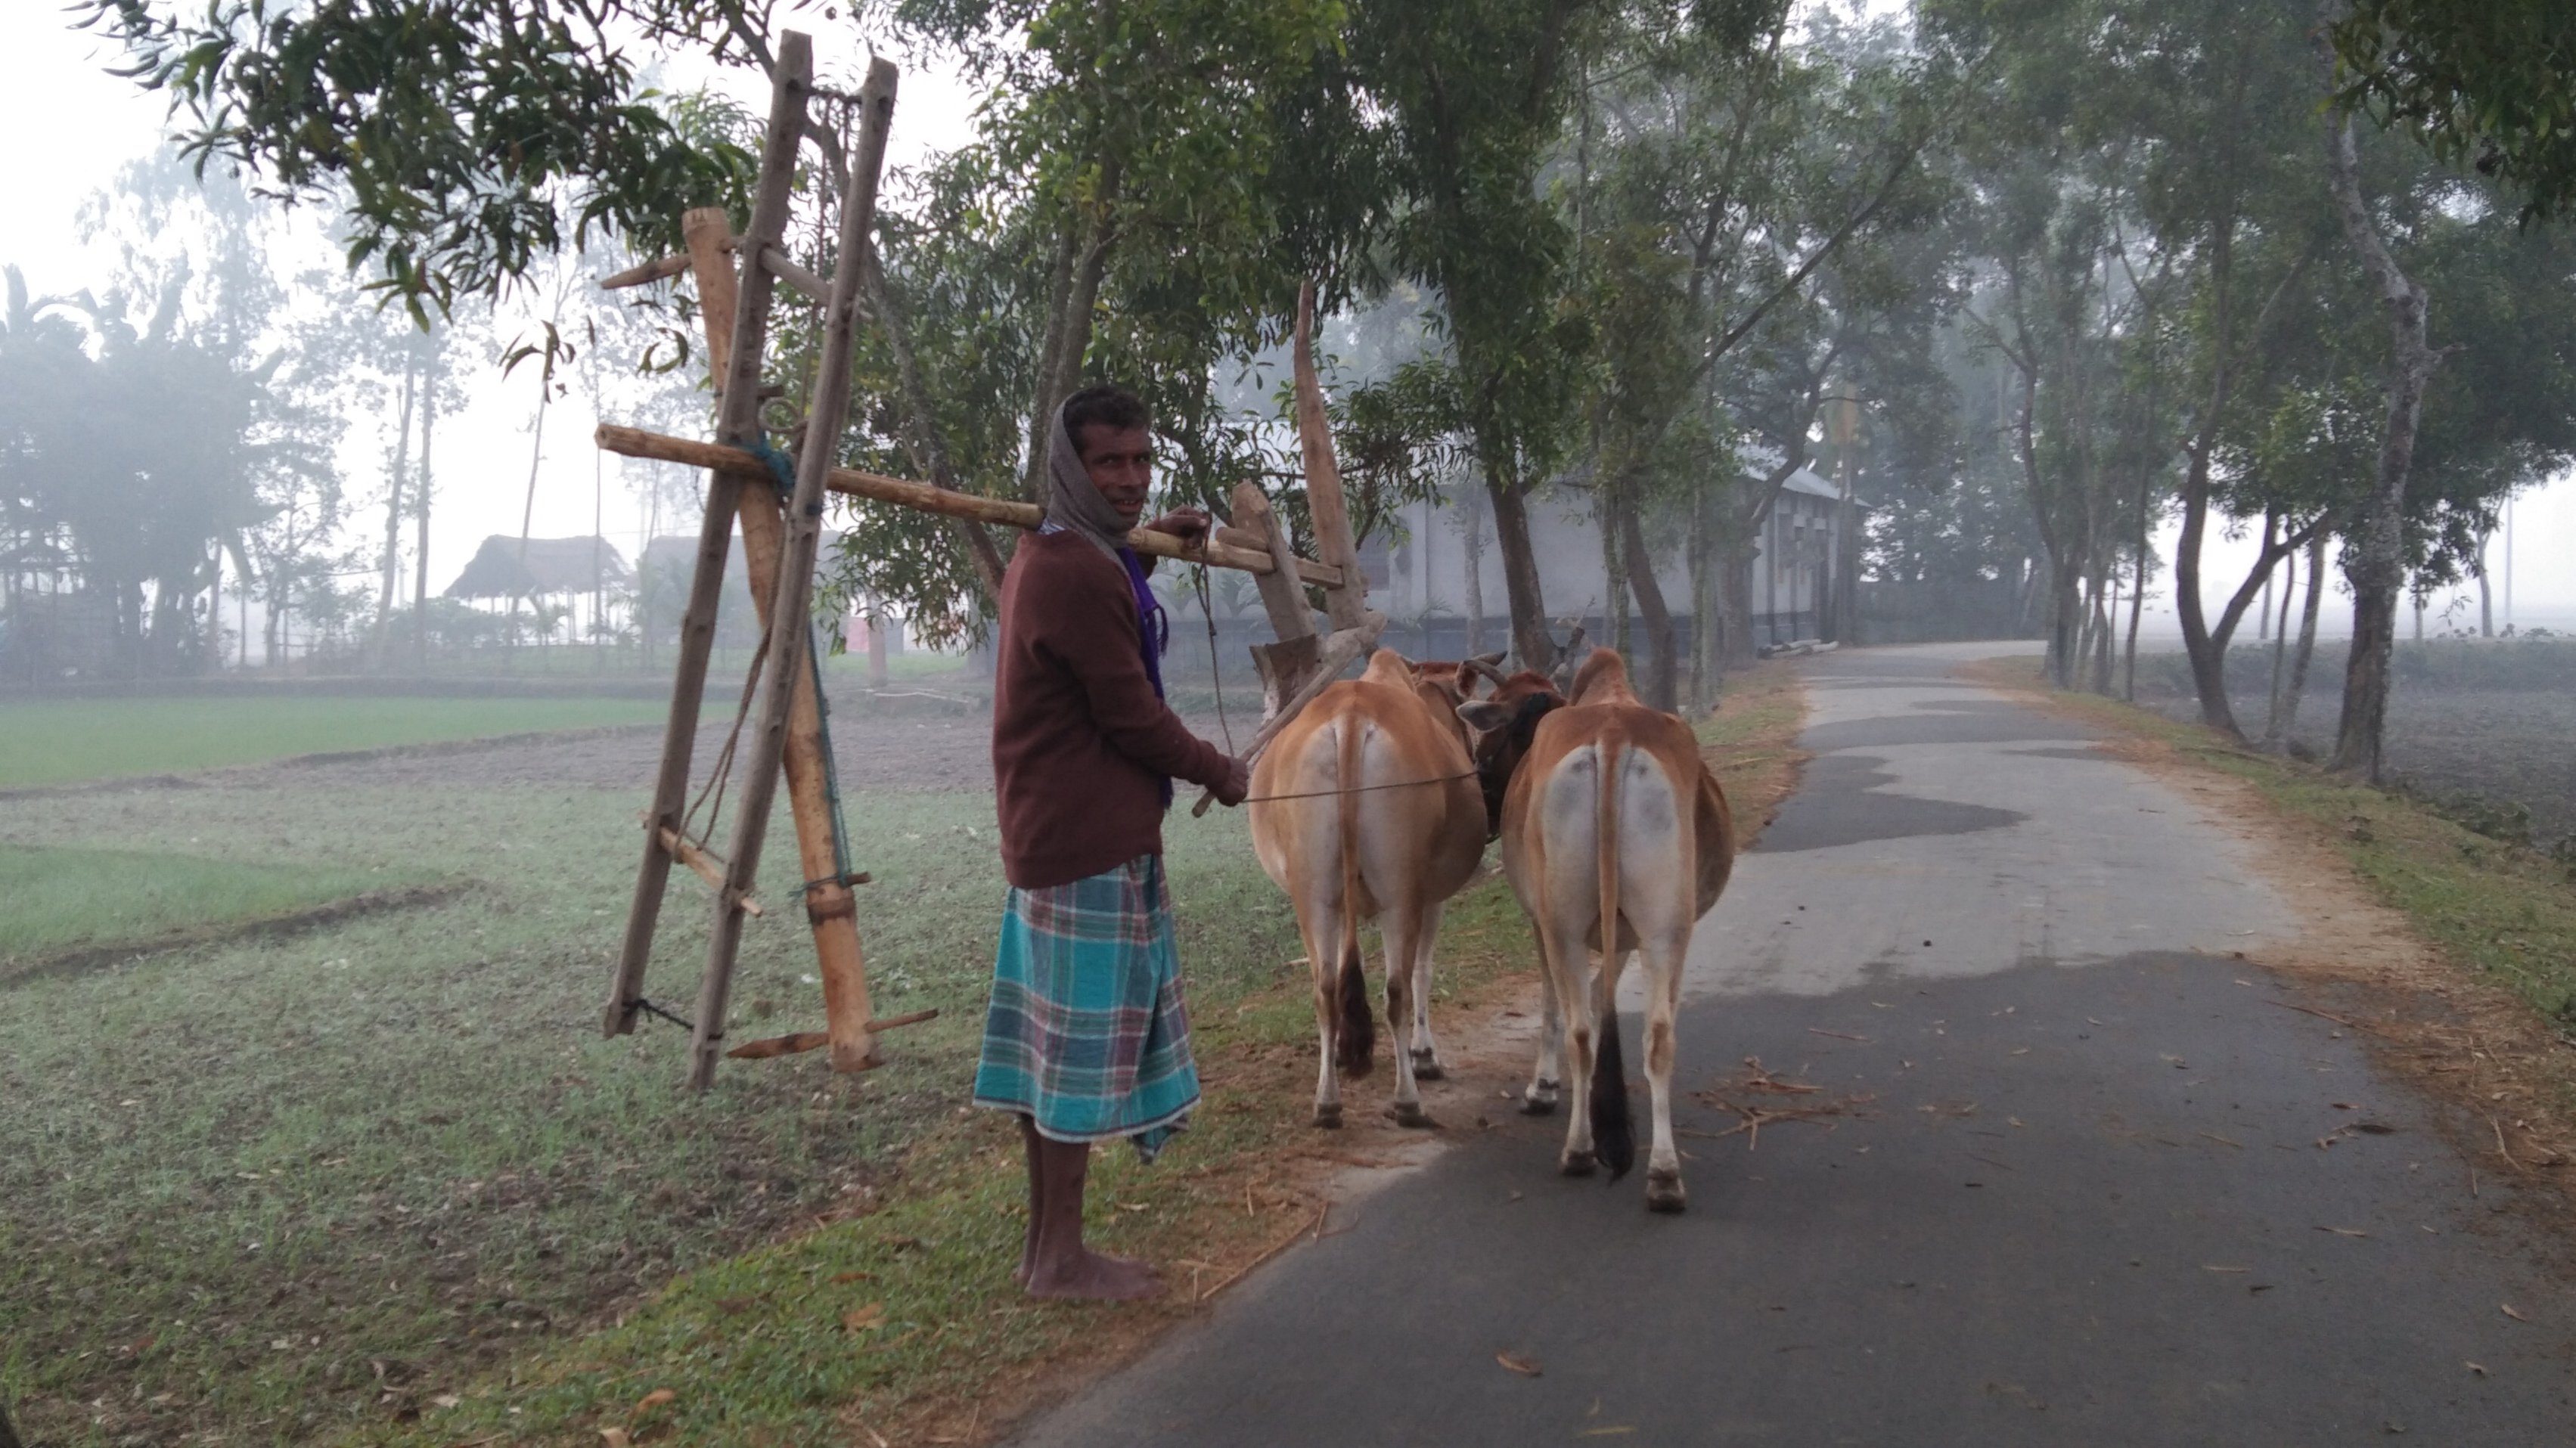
(547, 566)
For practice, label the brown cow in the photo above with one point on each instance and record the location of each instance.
(1630, 865)
(1366, 805)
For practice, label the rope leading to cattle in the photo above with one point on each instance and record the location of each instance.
(1216, 670)
(1360, 788)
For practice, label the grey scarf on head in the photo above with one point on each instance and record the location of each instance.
(1074, 504)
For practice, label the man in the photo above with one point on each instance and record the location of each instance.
(1087, 1039)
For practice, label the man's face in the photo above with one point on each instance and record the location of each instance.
(1121, 463)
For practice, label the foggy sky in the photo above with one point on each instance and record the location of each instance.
(49, 73)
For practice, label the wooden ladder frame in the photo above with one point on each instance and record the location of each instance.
(737, 278)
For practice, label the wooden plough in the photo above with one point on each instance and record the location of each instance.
(737, 279)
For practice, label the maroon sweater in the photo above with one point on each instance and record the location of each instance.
(1081, 745)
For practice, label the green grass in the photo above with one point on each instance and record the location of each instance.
(2498, 908)
(398, 1144)
(57, 900)
(66, 741)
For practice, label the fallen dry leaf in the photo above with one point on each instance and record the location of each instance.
(613, 1438)
(865, 1319)
(653, 1399)
(2509, 1312)
(1605, 1432)
(1520, 1365)
(2477, 1368)
(839, 1278)
(2345, 1231)
(2226, 1269)
(445, 1400)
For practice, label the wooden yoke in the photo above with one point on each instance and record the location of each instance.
(790, 720)
(734, 332)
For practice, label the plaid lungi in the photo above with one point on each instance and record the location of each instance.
(1087, 1035)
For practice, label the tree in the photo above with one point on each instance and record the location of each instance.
(2486, 82)
(459, 139)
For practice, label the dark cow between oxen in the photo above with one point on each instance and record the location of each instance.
(1616, 838)
(1366, 806)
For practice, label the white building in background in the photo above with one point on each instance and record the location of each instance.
(1421, 581)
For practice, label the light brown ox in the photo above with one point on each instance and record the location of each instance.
(1366, 806)
(1651, 852)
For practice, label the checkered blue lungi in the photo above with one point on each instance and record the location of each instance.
(1087, 1034)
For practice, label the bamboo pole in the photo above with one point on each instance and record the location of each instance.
(853, 482)
(1346, 604)
(789, 679)
(733, 332)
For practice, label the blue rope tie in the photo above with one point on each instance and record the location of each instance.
(782, 468)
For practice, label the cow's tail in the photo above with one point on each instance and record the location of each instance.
(1355, 1040)
(1614, 1134)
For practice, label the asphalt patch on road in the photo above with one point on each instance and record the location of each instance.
(2135, 1202)
(1840, 801)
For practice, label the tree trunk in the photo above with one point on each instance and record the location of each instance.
(2208, 661)
(2280, 650)
(1474, 553)
(1612, 518)
(1079, 268)
(2486, 596)
(2307, 640)
(420, 499)
(392, 562)
(1703, 669)
(2376, 564)
(1530, 638)
(1660, 690)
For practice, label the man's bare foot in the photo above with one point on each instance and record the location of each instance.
(1093, 1277)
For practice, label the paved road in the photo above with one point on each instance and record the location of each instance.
(2073, 1195)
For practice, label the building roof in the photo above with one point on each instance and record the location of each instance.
(1807, 482)
(505, 568)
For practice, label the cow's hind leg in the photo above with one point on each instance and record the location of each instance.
(1663, 958)
(1539, 1097)
(1323, 932)
(1568, 963)
(1426, 1051)
(1402, 932)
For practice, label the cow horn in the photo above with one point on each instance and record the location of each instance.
(1479, 665)
(1493, 660)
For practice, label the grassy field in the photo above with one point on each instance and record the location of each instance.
(55, 902)
(67, 741)
(384, 1182)
(279, 1189)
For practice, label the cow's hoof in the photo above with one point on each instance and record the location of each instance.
(1410, 1114)
(1427, 1067)
(1578, 1164)
(1664, 1193)
(1539, 1099)
(1329, 1117)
